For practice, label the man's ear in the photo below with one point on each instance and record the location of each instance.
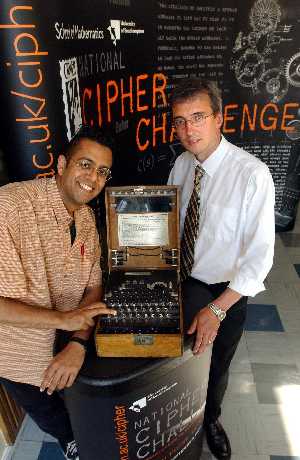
(219, 119)
(61, 164)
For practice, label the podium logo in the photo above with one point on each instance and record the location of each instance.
(115, 30)
(138, 405)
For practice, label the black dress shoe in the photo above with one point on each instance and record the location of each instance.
(217, 440)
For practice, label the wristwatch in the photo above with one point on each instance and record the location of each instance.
(82, 342)
(220, 314)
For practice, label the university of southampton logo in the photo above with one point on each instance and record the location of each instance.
(138, 405)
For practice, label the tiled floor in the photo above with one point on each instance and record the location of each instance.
(261, 407)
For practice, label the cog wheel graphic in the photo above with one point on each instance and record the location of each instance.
(293, 134)
(238, 43)
(249, 69)
(292, 70)
(253, 38)
(265, 15)
(275, 84)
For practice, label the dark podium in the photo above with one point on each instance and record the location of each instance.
(140, 408)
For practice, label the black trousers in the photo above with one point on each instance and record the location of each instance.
(48, 412)
(196, 295)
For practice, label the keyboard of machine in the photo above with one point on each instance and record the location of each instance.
(146, 302)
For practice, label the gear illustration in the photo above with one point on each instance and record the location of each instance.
(253, 38)
(265, 15)
(249, 69)
(275, 84)
(238, 45)
(292, 70)
(294, 133)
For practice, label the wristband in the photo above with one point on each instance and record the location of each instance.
(82, 342)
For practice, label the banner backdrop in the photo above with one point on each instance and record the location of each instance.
(114, 62)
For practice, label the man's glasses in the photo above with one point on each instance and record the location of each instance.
(87, 165)
(197, 119)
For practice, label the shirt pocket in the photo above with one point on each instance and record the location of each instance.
(221, 223)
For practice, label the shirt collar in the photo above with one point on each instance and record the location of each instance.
(56, 203)
(212, 163)
(63, 218)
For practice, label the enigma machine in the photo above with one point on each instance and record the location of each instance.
(143, 283)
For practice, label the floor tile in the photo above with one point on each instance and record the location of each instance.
(6, 452)
(241, 424)
(290, 318)
(273, 393)
(249, 457)
(50, 451)
(31, 432)
(278, 430)
(264, 297)
(294, 340)
(241, 389)
(293, 251)
(27, 450)
(206, 456)
(297, 268)
(281, 256)
(49, 438)
(281, 374)
(240, 362)
(205, 448)
(283, 293)
(290, 239)
(262, 317)
(285, 269)
(293, 257)
(269, 347)
(296, 288)
(280, 457)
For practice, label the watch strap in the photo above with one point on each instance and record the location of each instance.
(220, 314)
(82, 342)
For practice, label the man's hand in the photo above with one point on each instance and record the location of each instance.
(63, 369)
(206, 326)
(82, 318)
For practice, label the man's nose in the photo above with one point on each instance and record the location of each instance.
(92, 173)
(188, 126)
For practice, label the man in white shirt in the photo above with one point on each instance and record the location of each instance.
(234, 237)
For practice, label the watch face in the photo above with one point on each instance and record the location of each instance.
(222, 315)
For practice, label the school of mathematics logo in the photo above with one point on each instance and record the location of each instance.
(77, 32)
(119, 27)
(71, 95)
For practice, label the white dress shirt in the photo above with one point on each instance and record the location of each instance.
(236, 227)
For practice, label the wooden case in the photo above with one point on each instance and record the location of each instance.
(143, 283)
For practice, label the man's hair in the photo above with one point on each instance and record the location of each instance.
(192, 87)
(94, 134)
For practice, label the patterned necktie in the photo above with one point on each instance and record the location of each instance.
(191, 225)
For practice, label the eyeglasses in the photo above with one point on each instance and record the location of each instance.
(87, 165)
(197, 119)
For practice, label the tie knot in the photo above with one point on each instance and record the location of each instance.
(199, 171)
